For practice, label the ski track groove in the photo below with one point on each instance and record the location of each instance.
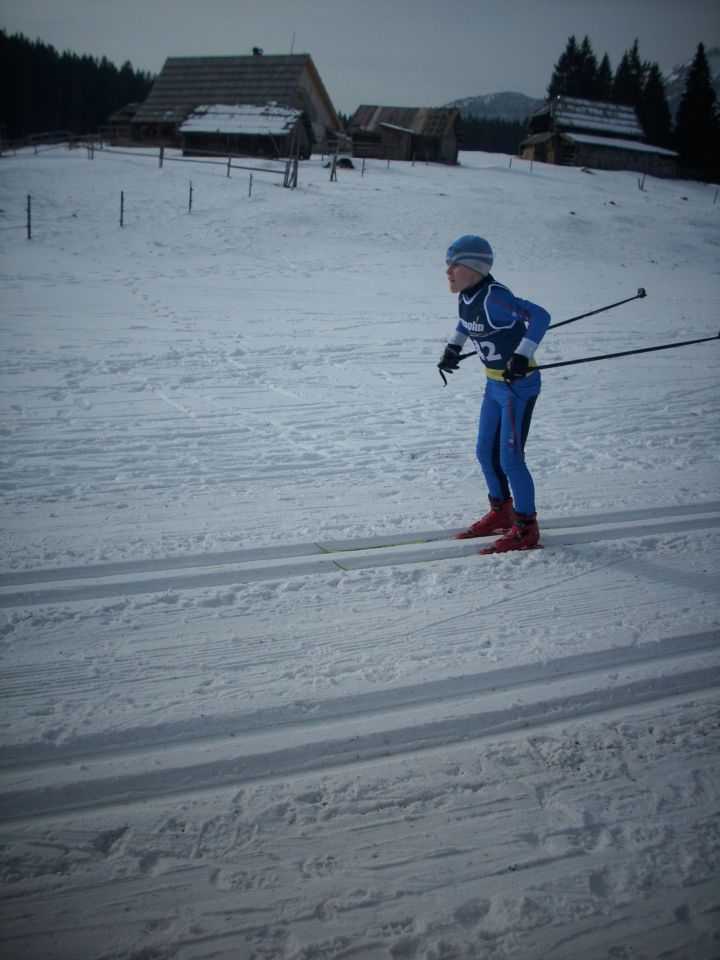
(311, 712)
(274, 562)
(309, 738)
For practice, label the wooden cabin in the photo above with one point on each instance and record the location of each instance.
(595, 134)
(187, 83)
(247, 130)
(427, 134)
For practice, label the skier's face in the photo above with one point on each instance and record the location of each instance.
(460, 277)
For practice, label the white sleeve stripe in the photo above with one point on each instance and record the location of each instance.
(526, 348)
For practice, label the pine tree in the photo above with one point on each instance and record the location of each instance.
(697, 126)
(629, 78)
(564, 70)
(604, 81)
(653, 109)
(575, 73)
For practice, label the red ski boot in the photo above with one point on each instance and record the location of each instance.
(496, 520)
(524, 535)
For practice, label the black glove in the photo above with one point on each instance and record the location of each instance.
(517, 367)
(450, 361)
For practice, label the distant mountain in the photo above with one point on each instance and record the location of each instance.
(497, 106)
(675, 80)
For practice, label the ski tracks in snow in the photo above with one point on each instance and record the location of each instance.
(93, 582)
(310, 737)
(390, 808)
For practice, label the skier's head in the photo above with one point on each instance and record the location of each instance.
(472, 252)
(469, 260)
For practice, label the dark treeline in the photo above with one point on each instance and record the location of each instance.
(494, 136)
(43, 90)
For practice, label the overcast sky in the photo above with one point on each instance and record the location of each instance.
(394, 52)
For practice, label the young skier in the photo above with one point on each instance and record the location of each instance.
(505, 332)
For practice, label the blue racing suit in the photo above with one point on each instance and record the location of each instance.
(500, 324)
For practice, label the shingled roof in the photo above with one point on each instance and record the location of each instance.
(574, 113)
(421, 121)
(186, 83)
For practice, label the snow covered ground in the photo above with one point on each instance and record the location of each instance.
(219, 744)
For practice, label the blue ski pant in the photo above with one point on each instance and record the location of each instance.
(505, 416)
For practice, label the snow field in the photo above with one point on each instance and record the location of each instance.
(211, 753)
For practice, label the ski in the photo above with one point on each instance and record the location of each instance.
(188, 572)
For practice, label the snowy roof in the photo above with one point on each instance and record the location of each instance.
(242, 119)
(576, 114)
(618, 144)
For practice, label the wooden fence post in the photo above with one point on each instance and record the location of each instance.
(161, 156)
(122, 208)
(190, 198)
(29, 217)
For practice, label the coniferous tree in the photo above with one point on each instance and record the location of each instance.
(653, 108)
(604, 80)
(564, 70)
(587, 71)
(629, 78)
(697, 126)
(576, 72)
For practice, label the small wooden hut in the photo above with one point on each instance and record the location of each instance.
(432, 134)
(593, 133)
(247, 130)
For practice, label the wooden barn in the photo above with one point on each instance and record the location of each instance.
(431, 134)
(592, 133)
(247, 130)
(187, 83)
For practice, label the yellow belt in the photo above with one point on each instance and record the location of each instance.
(498, 374)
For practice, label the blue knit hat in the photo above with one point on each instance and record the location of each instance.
(473, 252)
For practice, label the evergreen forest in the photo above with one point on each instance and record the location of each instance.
(44, 91)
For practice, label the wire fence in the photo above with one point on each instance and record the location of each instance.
(285, 168)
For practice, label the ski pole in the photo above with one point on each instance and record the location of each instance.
(638, 296)
(624, 353)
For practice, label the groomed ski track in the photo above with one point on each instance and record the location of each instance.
(41, 586)
(311, 737)
(240, 812)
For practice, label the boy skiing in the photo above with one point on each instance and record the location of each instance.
(505, 332)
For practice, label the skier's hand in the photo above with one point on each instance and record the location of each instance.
(517, 367)
(449, 361)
